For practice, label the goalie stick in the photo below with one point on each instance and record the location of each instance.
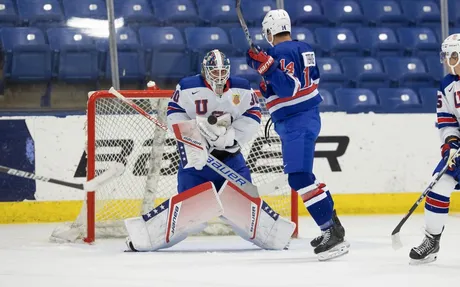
(114, 171)
(215, 164)
(395, 238)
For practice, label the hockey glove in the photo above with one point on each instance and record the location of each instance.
(266, 89)
(448, 151)
(224, 141)
(261, 61)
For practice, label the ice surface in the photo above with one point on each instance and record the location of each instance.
(28, 259)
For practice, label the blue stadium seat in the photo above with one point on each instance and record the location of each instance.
(201, 40)
(422, 12)
(402, 100)
(76, 57)
(46, 13)
(254, 11)
(384, 13)
(454, 13)
(27, 55)
(407, 72)
(356, 100)
(328, 104)
(344, 13)
(434, 67)
(166, 52)
(8, 16)
(429, 97)
(379, 42)
(365, 72)
(131, 62)
(420, 41)
(306, 13)
(93, 9)
(238, 67)
(218, 12)
(134, 11)
(337, 42)
(331, 76)
(240, 43)
(176, 13)
(307, 36)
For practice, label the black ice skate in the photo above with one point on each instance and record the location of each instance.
(333, 244)
(427, 251)
(317, 240)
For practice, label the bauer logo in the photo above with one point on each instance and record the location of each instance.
(174, 219)
(252, 226)
(136, 155)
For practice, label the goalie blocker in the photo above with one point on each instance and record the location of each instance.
(187, 213)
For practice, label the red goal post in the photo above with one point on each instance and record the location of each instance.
(116, 132)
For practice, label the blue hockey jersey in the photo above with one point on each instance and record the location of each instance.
(295, 84)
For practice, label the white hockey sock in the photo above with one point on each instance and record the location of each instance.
(437, 204)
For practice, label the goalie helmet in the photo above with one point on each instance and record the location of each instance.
(275, 22)
(216, 70)
(451, 51)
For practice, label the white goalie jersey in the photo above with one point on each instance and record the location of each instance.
(193, 98)
(448, 107)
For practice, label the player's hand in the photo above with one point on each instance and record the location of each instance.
(261, 61)
(448, 151)
(266, 90)
(225, 140)
(209, 132)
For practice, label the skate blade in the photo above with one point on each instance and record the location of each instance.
(430, 258)
(336, 251)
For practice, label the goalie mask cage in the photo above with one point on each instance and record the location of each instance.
(117, 133)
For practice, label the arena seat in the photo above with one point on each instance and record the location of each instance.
(384, 13)
(176, 13)
(422, 12)
(134, 11)
(379, 42)
(399, 100)
(93, 9)
(364, 72)
(407, 72)
(8, 15)
(419, 41)
(75, 55)
(331, 74)
(343, 13)
(166, 52)
(44, 13)
(337, 42)
(356, 100)
(306, 13)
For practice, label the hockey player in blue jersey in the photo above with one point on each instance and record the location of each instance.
(448, 113)
(290, 89)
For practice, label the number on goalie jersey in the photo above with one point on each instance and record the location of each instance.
(448, 113)
(224, 97)
(290, 88)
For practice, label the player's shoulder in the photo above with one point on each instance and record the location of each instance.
(239, 83)
(289, 47)
(192, 82)
(448, 80)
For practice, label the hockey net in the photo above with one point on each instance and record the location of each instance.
(117, 133)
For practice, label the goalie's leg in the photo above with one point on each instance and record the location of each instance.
(254, 220)
(173, 220)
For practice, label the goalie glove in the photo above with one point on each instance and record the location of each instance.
(219, 134)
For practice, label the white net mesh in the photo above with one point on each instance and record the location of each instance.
(149, 155)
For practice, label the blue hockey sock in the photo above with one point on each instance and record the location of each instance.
(319, 203)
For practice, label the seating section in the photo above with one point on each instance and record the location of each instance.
(379, 55)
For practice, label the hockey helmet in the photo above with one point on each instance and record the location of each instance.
(275, 22)
(450, 53)
(215, 68)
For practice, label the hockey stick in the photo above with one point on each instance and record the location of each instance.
(395, 238)
(244, 26)
(114, 171)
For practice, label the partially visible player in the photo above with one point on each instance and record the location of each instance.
(448, 114)
(292, 98)
(237, 115)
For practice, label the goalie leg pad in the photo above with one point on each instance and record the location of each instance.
(254, 220)
(173, 220)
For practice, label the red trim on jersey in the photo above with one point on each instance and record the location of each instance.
(255, 113)
(446, 120)
(299, 94)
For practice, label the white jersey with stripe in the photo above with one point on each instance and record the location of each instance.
(193, 97)
(448, 107)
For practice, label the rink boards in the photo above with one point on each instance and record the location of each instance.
(372, 163)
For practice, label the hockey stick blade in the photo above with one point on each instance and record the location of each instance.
(113, 172)
(396, 241)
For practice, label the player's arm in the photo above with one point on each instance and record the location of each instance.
(247, 125)
(177, 108)
(448, 130)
